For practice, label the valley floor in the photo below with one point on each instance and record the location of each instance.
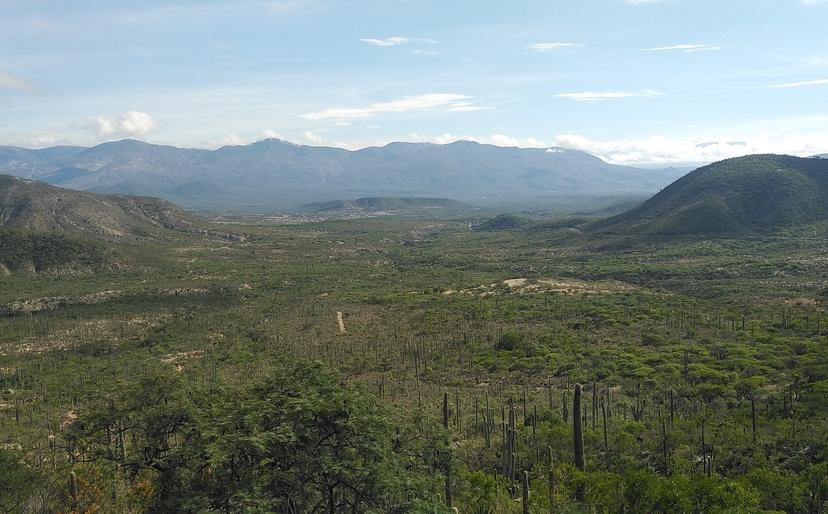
(704, 366)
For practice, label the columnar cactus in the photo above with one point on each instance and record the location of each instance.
(449, 495)
(578, 438)
(578, 429)
(73, 489)
(525, 492)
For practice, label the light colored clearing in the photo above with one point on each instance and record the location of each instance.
(68, 419)
(52, 302)
(340, 322)
(108, 330)
(177, 359)
(801, 301)
(544, 285)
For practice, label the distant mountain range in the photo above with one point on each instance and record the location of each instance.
(274, 174)
(751, 195)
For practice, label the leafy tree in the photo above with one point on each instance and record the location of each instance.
(298, 443)
(17, 482)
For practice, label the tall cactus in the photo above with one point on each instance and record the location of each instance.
(578, 438)
(449, 495)
(604, 422)
(551, 479)
(510, 444)
(73, 489)
(525, 492)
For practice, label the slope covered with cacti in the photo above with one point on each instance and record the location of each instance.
(480, 371)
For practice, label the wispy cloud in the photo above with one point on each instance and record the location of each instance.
(552, 47)
(663, 149)
(806, 83)
(407, 103)
(9, 81)
(389, 41)
(687, 49)
(600, 96)
(466, 107)
(396, 41)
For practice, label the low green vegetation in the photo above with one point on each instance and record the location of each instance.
(393, 365)
(51, 253)
(756, 194)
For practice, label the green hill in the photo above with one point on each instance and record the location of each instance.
(46, 229)
(43, 252)
(751, 195)
(505, 222)
(27, 205)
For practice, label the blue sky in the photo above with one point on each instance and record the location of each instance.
(633, 81)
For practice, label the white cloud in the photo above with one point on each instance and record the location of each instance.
(407, 103)
(661, 149)
(399, 40)
(129, 124)
(312, 137)
(230, 140)
(820, 82)
(389, 41)
(271, 134)
(687, 49)
(9, 81)
(39, 139)
(504, 140)
(600, 96)
(552, 47)
(466, 107)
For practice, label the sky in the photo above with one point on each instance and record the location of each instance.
(632, 81)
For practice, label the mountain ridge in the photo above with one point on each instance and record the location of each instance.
(273, 173)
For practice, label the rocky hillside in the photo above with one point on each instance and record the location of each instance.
(30, 206)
